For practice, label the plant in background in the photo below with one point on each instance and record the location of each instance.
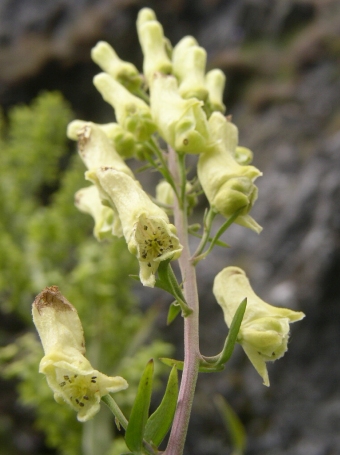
(172, 110)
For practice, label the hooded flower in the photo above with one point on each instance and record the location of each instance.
(146, 227)
(227, 184)
(68, 373)
(123, 141)
(95, 149)
(264, 330)
(183, 123)
(189, 61)
(215, 82)
(132, 113)
(153, 44)
(124, 72)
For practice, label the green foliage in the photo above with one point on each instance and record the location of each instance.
(44, 241)
(160, 421)
(140, 411)
(232, 424)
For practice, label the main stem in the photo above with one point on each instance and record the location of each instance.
(191, 326)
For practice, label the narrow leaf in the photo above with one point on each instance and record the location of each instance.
(140, 411)
(203, 368)
(172, 362)
(173, 312)
(167, 280)
(210, 368)
(233, 332)
(233, 425)
(160, 421)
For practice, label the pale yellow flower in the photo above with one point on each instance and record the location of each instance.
(152, 41)
(69, 374)
(124, 72)
(215, 82)
(132, 113)
(227, 184)
(148, 233)
(95, 148)
(106, 220)
(123, 141)
(189, 61)
(264, 330)
(165, 195)
(182, 123)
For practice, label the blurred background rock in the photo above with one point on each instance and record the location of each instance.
(282, 61)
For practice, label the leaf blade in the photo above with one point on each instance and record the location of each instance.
(160, 421)
(139, 414)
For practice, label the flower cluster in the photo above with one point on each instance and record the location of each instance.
(183, 105)
(176, 99)
(177, 102)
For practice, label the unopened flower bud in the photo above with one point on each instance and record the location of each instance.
(152, 41)
(181, 123)
(190, 70)
(264, 330)
(243, 155)
(69, 374)
(166, 195)
(179, 51)
(228, 185)
(124, 72)
(132, 113)
(215, 82)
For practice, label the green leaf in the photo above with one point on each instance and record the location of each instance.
(173, 312)
(233, 332)
(140, 411)
(213, 363)
(160, 421)
(167, 281)
(172, 362)
(233, 425)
